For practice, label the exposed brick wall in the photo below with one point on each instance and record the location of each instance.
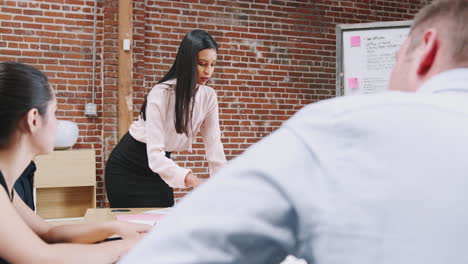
(275, 57)
(57, 37)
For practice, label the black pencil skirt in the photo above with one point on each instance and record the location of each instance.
(129, 180)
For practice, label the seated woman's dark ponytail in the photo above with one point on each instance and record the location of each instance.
(22, 88)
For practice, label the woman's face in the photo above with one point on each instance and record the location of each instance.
(206, 64)
(45, 137)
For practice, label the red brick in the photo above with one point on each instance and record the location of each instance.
(12, 38)
(32, 12)
(11, 10)
(10, 24)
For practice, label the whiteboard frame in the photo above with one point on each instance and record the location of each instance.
(341, 28)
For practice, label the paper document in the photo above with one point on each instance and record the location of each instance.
(149, 219)
(163, 211)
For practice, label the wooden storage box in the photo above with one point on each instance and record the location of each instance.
(65, 183)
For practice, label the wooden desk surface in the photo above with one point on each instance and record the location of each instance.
(101, 215)
(108, 214)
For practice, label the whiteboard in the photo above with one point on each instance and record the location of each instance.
(366, 54)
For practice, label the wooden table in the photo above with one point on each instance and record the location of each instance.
(94, 215)
(106, 214)
(109, 214)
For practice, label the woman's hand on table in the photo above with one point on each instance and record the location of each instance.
(192, 181)
(130, 230)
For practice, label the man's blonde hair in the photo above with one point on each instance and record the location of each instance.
(450, 17)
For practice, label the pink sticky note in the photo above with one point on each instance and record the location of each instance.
(140, 217)
(355, 41)
(353, 83)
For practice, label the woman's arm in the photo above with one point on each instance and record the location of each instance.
(20, 244)
(212, 137)
(107, 252)
(79, 233)
(156, 114)
(93, 232)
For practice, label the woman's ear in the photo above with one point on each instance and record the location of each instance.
(31, 121)
(430, 48)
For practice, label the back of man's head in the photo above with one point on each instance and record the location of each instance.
(450, 18)
(437, 43)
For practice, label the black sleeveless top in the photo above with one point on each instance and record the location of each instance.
(3, 183)
(24, 185)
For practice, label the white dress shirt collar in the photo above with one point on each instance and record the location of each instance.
(455, 80)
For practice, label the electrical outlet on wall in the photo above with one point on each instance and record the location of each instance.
(90, 109)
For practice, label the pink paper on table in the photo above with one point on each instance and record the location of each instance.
(353, 83)
(140, 217)
(355, 41)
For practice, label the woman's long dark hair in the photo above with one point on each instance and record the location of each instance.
(184, 70)
(22, 88)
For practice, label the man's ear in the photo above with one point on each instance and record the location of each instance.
(430, 48)
(31, 121)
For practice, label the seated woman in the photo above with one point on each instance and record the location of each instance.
(28, 126)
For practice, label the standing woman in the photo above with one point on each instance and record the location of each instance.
(139, 171)
(28, 126)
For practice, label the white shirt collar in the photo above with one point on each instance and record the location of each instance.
(455, 80)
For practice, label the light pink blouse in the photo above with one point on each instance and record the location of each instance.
(158, 131)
